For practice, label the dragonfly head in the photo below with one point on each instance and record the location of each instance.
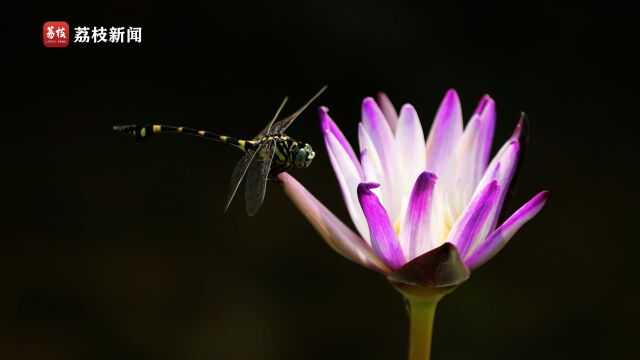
(303, 156)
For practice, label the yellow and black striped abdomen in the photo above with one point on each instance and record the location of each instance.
(142, 132)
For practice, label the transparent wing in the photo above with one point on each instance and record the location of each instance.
(267, 129)
(281, 125)
(238, 173)
(257, 177)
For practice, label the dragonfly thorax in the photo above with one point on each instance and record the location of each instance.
(288, 152)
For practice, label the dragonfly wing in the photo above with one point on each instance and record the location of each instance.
(267, 129)
(238, 173)
(257, 177)
(281, 125)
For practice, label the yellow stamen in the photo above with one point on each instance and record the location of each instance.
(397, 226)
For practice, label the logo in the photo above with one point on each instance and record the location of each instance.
(55, 34)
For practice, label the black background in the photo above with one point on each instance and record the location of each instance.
(113, 249)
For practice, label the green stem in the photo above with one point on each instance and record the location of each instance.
(421, 314)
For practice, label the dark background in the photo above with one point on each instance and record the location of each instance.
(113, 249)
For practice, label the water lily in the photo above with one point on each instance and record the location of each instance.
(426, 213)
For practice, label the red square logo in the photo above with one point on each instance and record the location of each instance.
(55, 34)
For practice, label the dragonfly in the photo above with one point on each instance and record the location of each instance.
(266, 155)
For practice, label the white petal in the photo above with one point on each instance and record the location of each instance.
(468, 166)
(411, 148)
(348, 174)
(372, 169)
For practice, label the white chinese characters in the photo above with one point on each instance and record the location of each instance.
(134, 34)
(99, 35)
(50, 32)
(82, 35)
(113, 35)
(116, 35)
(59, 32)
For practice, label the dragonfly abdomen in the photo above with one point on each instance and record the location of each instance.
(141, 132)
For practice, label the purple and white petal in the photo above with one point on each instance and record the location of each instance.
(388, 196)
(507, 154)
(521, 130)
(348, 175)
(388, 110)
(502, 166)
(411, 147)
(372, 166)
(502, 170)
(342, 239)
(521, 133)
(471, 227)
(472, 153)
(371, 170)
(383, 237)
(415, 235)
(486, 111)
(378, 129)
(327, 124)
(498, 239)
(444, 134)
(376, 126)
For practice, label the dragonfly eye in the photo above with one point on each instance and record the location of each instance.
(304, 156)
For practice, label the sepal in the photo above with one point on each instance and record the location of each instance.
(431, 275)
